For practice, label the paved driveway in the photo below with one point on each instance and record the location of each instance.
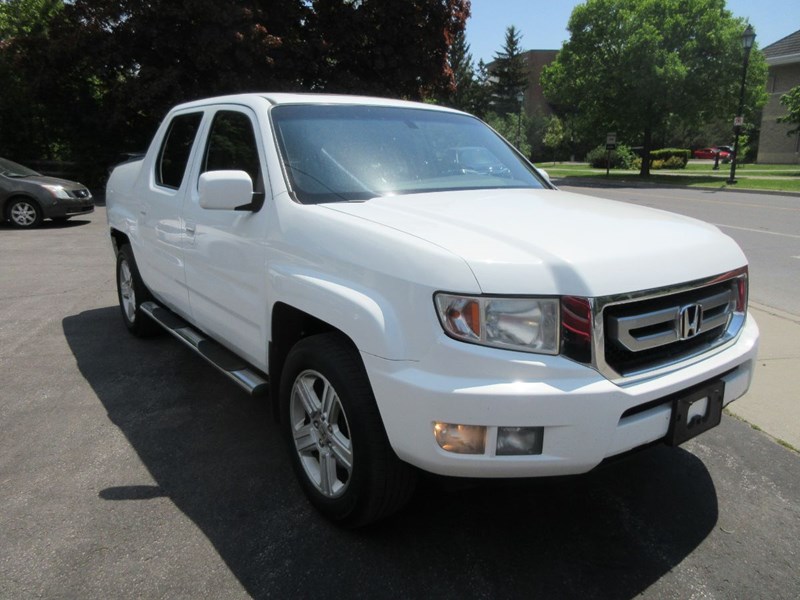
(129, 470)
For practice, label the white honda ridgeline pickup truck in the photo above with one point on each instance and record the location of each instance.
(414, 295)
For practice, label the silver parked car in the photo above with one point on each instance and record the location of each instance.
(27, 197)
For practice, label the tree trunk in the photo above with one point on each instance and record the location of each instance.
(648, 140)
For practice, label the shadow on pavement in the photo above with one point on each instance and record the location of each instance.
(218, 456)
(47, 224)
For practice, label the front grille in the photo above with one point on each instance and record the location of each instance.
(663, 327)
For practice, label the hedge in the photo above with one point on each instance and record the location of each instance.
(673, 158)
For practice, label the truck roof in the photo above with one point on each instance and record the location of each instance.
(259, 99)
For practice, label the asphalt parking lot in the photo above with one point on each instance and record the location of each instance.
(128, 469)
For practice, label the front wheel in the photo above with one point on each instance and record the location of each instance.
(336, 438)
(24, 213)
(131, 292)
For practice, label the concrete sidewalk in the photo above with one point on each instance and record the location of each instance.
(773, 402)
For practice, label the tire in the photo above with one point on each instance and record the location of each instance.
(338, 446)
(24, 213)
(131, 292)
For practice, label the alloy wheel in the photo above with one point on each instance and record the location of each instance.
(321, 433)
(23, 214)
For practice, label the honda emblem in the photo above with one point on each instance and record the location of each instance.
(691, 320)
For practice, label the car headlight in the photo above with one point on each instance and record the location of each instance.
(56, 190)
(525, 324)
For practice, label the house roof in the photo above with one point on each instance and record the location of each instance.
(784, 51)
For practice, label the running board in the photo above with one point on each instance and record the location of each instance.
(223, 359)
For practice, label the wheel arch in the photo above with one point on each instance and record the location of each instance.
(289, 326)
(118, 240)
(8, 200)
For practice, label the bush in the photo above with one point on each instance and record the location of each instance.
(656, 164)
(680, 156)
(621, 158)
(674, 162)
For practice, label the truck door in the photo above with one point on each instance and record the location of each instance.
(160, 254)
(225, 249)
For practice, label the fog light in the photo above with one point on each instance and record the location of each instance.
(514, 441)
(461, 439)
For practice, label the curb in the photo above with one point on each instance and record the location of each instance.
(593, 182)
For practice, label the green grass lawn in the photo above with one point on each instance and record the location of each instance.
(785, 178)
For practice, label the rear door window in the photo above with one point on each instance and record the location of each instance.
(174, 154)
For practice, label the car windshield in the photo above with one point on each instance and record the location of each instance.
(354, 153)
(12, 169)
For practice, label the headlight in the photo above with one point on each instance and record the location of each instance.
(56, 190)
(526, 324)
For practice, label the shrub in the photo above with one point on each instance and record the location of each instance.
(665, 154)
(656, 164)
(674, 162)
(621, 158)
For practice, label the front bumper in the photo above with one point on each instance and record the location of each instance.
(69, 207)
(583, 414)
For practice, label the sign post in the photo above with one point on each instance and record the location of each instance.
(611, 144)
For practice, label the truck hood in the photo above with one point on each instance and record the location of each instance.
(553, 242)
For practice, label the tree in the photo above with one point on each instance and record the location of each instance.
(791, 100)
(397, 49)
(515, 128)
(555, 135)
(482, 91)
(459, 59)
(87, 79)
(509, 74)
(152, 54)
(26, 78)
(634, 66)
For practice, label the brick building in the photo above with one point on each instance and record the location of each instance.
(535, 61)
(783, 59)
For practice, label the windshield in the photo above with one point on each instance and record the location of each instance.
(345, 153)
(12, 169)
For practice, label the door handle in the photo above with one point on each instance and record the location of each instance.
(190, 228)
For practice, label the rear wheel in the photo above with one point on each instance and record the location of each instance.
(336, 438)
(24, 213)
(131, 292)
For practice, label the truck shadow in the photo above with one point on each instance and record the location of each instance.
(218, 456)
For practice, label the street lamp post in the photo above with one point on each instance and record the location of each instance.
(520, 98)
(748, 37)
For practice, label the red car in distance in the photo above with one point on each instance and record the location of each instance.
(711, 152)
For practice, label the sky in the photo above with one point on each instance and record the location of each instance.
(543, 23)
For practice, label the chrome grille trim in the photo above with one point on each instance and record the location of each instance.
(645, 331)
(719, 308)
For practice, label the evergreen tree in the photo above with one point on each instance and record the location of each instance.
(482, 91)
(460, 62)
(509, 73)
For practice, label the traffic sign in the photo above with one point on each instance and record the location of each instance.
(738, 121)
